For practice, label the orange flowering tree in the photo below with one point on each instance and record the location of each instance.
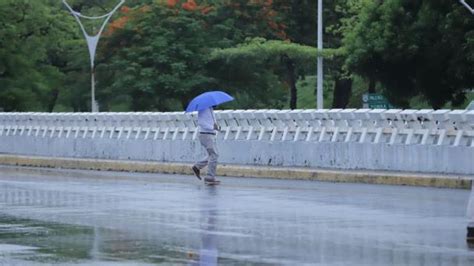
(158, 55)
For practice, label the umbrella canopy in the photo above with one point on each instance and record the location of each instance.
(207, 100)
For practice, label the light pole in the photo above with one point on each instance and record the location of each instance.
(320, 103)
(92, 41)
(470, 206)
(471, 9)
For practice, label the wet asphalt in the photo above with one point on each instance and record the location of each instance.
(114, 218)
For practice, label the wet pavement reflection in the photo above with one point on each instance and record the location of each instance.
(100, 218)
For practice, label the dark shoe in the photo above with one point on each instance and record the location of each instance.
(470, 233)
(197, 172)
(211, 181)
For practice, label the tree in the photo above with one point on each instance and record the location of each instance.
(414, 47)
(158, 58)
(159, 53)
(290, 57)
(31, 41)
(337, 16)
(300, 18)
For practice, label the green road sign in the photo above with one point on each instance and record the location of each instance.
(375, 101)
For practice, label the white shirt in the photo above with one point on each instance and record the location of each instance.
(206, 120)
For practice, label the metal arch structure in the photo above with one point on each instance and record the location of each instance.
(92, 41)
(469, 7)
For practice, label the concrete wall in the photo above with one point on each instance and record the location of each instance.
(413, 158)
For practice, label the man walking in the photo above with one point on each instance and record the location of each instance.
(207, 136)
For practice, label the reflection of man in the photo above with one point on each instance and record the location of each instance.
(470, 215)
(208, 254)
(207, 136)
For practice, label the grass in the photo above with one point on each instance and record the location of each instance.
(307, 93)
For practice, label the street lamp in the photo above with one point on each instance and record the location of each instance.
(471, 9)
(92, 41)
(320, 102)
(470, 226)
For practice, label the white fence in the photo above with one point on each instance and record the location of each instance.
(407, 128)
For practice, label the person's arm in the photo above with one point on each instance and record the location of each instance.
(216, 126)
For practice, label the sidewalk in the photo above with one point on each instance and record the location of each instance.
(291, 173)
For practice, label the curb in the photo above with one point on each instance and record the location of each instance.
(289, 173)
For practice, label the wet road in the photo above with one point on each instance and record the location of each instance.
(98, 218)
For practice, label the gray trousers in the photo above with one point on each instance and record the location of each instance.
(209, 143)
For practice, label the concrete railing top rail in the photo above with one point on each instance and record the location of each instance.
(369, 118)
(395, 126)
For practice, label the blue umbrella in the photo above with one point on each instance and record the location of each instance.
(207, 100)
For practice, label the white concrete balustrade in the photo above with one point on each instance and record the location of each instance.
(408, 127)
(440, 141)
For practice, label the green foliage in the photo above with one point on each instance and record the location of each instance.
(273, 49)
(284, 57)
(307, 94)
(158, 54)
(414, 48)
(160, 57)
(252, 83)
(31, 37)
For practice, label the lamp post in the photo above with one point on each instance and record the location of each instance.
(92, 41)
(319, 94)
(469, 7)
(470, 206)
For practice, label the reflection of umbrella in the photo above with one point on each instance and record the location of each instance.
(207, 100)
